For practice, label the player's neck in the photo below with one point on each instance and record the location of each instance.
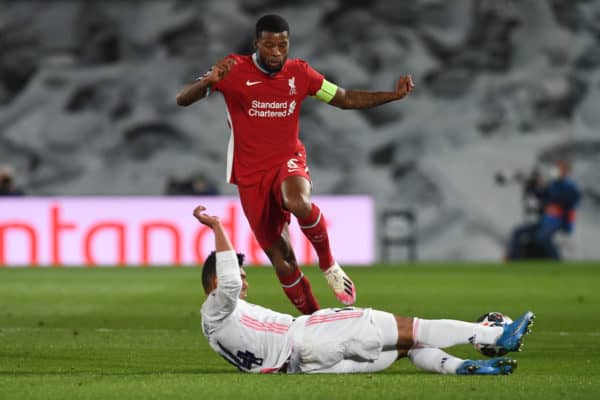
(260, 66)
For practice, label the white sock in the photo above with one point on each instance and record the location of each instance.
(443, 333)
(434, 360)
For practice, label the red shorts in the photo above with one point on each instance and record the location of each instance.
(263, 202)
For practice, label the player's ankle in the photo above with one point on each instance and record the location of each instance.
(325, 265)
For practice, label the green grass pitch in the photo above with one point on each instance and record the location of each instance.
(134, 333)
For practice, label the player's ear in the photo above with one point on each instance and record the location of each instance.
(255, 44)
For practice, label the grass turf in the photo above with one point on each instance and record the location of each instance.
(135, 333)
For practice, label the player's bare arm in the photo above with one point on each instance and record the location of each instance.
(222, 242)
(359, 99)
(197, 90)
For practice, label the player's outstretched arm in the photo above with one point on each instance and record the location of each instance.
(228, 283)
(360, 99)
(222, 242)
(197, 90)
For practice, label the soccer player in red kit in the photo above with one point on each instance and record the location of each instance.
(265, 157)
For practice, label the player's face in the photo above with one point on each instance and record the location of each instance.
(244, 291)
(273, 49)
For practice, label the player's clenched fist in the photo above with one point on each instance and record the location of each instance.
(404, 86)
(209, 220)
(219, 70)
(199, 89)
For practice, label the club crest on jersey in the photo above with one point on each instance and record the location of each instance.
(292, 84)
(292, 165)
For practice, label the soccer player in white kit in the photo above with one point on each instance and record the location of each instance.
(335, 340)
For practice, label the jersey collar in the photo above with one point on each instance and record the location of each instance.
(262, 69)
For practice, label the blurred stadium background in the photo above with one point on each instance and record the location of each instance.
(87, 104)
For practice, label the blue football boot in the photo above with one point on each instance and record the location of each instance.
(494, 366)
(512, 337)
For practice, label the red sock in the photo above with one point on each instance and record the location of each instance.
(297, 288)
(315, 230)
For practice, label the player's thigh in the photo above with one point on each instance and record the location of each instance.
(265, 216)
(385, 360)
(295, 192)
(388, 327)
(292, 186)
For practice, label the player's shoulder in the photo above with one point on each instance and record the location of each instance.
(240, 59)
(301, 68)
(297, 63)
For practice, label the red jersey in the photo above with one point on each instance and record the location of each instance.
(263, 114)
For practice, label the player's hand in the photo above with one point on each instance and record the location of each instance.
(404, 86)
(209, 220)
(219, 70)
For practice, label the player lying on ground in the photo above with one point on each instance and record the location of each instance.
(266, 159)
(346, 340)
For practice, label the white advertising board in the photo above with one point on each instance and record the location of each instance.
(149, 231)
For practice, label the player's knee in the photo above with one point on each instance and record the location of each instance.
(300, 206)
(282, 258)
(283, 267)
(405, 332)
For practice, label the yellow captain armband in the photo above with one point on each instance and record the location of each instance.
(327, 91)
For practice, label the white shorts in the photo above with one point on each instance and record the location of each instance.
(343, 340)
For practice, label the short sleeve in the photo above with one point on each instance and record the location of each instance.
(217, 87)
(315, 79)
(222, 84)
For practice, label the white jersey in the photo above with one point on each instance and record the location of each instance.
(251, 337)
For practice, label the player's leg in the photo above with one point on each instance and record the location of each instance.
(385, 360)
(401, 334)
(405, 333)
(269, 224)
(295, 191)
(435, 360)
(443, 333)
(295, 285)
(396, 335)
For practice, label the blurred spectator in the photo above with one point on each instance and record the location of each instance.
(7, 182)
(557, 199)
(533, 190)
(197, 185)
